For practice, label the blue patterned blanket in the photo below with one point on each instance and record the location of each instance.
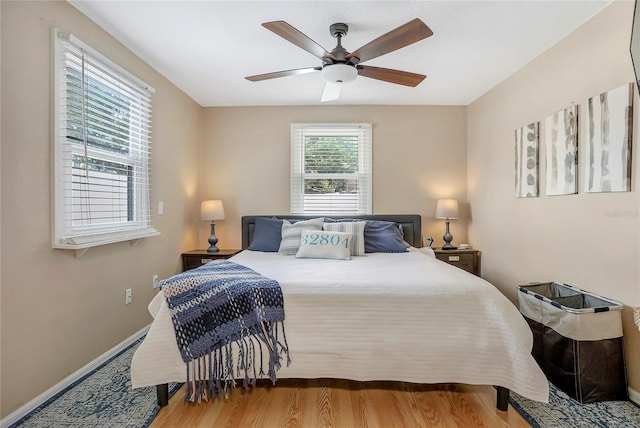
(225, 317)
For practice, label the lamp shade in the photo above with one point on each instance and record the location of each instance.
(447, 208)
(211, 210)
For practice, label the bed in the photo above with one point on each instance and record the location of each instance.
(383, 316)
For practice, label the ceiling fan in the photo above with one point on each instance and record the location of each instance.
(340, 66)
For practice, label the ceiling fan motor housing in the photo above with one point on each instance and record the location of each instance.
(339, 73)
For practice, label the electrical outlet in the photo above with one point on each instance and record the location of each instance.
(127, 296)
(155, 281)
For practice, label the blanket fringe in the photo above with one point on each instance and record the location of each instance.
(214, 374)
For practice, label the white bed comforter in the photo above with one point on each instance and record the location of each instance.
(403, 317)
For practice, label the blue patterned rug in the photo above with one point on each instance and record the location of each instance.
(564, 412)
(103, 398)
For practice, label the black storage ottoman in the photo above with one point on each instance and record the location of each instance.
(577, 340)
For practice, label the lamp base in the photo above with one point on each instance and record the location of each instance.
(447, 239)
(213, 240)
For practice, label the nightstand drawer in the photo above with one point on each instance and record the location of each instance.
(197, 258)
(194, 262)
(462, 261)
(457, 259)
(468, 260)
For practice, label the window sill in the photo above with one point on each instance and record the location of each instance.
(81, 244)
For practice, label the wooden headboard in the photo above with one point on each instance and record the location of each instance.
(411, 225)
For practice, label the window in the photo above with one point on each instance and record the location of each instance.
(102, 130)
(331, 168)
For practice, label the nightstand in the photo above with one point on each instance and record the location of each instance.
(468, 260)
(194, 258)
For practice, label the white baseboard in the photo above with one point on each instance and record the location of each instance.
(634, 396)
(40, 399)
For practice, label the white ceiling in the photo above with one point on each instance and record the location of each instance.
(206, 48)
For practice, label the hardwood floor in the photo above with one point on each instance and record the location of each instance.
(340, 403)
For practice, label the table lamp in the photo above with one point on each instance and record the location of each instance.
(447, 209)
(212, 210)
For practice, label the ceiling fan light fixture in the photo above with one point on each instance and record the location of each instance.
(339, 73)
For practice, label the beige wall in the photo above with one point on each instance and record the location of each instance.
(419, 155)
(59, 312)
(589, 240)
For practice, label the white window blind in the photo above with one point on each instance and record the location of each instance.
(102, 149)
(331, 168)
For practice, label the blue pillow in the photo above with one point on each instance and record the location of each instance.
(383, 237)
(267, 234)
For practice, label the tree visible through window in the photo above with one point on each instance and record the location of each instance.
(102, 190)
(331, 169)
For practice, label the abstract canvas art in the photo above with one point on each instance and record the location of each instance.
(634, 47)
(608, 132)
(527, 161)
(561, 152)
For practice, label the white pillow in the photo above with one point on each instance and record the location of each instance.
(356, 228)
(291, 234)
(320, 244)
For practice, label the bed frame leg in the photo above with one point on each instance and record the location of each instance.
(502, 402)
(162, 391)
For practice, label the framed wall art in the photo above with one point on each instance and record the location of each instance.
(527, 161)
(608, 131)
(561, 152)
(634, 46)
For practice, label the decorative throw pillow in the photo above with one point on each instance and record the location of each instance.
(291, 234)
(321, 244)
(383, 237)
(267, 234)
(356, 228)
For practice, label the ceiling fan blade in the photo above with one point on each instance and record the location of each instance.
(293, 35)
(284, 73)
(331, 92)
(393, 76)
(402, 36)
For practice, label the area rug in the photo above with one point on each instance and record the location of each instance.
(103, 398)
(564, 412)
